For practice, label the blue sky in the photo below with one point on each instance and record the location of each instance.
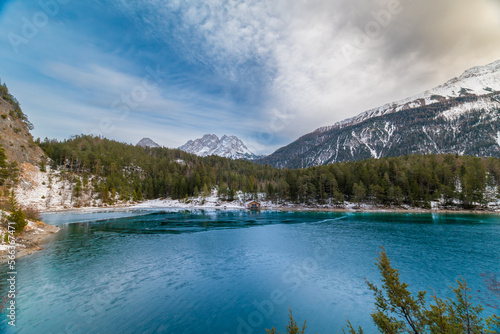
(266, 71)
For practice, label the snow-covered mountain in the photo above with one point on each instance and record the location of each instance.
(227, 146)
(461, 116)
(147, 142)
(479, 80)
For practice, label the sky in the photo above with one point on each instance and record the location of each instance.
(267, 71)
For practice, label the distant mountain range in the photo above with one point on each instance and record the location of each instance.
(147, 142)
(227, 146)
(461, 116)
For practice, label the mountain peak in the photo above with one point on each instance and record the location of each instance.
(147, 142)
(210, 136)
(481, 70)
(227, 146)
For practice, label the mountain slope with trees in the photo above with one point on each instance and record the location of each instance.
(119, 170)
(465, 119)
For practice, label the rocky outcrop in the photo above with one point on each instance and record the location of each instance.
(16, 138)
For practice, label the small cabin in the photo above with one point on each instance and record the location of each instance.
(253, 205)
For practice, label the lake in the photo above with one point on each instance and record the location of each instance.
(175, 271)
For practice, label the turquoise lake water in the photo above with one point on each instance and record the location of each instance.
(156, 271)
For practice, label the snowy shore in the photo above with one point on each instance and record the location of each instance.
(214, 203)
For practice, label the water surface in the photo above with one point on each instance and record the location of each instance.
(175, 271)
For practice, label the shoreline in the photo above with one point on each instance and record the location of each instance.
(30, 240)
(153, 204)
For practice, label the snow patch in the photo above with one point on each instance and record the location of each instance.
(51, 189)
(458, 111)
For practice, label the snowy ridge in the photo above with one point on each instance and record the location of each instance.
(227, 146)
(479, 80)
(460, 110)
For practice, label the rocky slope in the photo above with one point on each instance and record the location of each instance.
(16, 138)
(26, 156)
(35, 187)
(227, 146)
(461, 116)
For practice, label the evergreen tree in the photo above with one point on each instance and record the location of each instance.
(4, 170)
(17, 216)
(359, 192)
(398, 311)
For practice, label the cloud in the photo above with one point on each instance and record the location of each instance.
(267, 71)
(324, 60)
(91, 98)
(171, 123)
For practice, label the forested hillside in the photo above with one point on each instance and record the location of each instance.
(132, 172)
